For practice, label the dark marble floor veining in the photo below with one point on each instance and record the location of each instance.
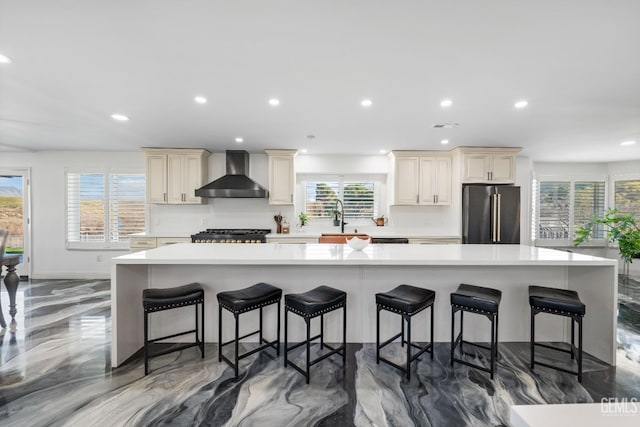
(55, 371)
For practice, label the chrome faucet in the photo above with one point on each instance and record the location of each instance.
(342, 223)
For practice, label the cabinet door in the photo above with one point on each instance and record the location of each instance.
(406, 181)
(157, 178)
(476, 168)
(192, 178)
(281, 180)
(428, 167)
(503, 168)
(175, 178)
(443, 180)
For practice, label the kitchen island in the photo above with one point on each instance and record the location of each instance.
(378, 268)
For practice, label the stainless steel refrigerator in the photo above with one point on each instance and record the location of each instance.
(490, 214)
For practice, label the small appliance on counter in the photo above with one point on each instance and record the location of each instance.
(238, 235)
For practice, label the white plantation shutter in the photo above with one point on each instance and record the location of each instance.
(588, 201)
(103, 209)
(554, 209)
(359, 197)
(627, 196)
(320, 198)
(126, 206)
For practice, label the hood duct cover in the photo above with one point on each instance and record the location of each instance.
(235, 184)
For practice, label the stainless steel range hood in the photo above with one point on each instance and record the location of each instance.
(236, 183)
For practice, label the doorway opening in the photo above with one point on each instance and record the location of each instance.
(15, 215)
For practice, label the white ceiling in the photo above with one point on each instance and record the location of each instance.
(76, 62)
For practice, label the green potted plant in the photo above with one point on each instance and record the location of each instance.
(621, 228)
(303, 219)
(336, 217)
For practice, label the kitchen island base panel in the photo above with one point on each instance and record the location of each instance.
(362, 282)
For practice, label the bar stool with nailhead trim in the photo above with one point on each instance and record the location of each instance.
(314, 303)
(406, 301)
(157, 299)
(242, 301)
(479, 300)
(561, 302)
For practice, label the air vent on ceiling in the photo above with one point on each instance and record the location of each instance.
(446, 125)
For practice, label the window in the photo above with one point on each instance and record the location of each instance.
(627, 196)
(103, 209)
(562, 206)
(359, 197)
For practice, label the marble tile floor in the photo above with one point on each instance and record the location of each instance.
(55, 371)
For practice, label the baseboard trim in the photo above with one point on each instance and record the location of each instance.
(70, 275)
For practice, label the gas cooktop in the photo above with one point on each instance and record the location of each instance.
(231, 235)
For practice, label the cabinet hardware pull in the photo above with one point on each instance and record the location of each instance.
(436, 199)
(164, 196)
(417, 198)
(291, 198)
(499, 215)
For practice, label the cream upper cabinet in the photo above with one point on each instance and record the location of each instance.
(406, 181)
(173, 175)
(281, 176)
(435, 180)
(156, 178)
(422, 178)
(496, 166)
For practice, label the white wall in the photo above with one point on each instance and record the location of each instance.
(49, 256)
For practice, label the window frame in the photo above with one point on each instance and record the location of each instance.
(106, 174)
(379, 181)
(572, 180)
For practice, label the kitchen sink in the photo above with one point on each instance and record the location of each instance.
(340, 237)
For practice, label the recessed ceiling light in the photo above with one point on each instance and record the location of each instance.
(4, 59)
(120, 117)
(200, 99)
(446, 103)
(239, 140)
(303, 150)
(444, 142)
(627, 143)
(366, 103)
(521, 104)
(383, 151)
(274, 102)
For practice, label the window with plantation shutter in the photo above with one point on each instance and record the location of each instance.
(103, 209)
(553, 209)
(627, 196)
(560, 207)
(358, 196)
(588, 201)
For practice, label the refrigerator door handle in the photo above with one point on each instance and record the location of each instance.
(494, 217)
(498, 214)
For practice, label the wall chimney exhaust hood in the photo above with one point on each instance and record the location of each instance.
(236, 183)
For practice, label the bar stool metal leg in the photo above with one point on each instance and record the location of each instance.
(533, 338)
(219, 333)
(146, 343)
(453, 336)
(237, 345)
(378, 335)
(286, 334)
(308, 322)
(431, 332)
(408, 348)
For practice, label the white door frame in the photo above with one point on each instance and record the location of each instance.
(23, 269)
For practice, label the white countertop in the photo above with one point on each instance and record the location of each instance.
(329, 254)
(620, 413)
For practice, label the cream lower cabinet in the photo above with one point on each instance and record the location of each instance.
(281, 176)
(422, 178)
(139, 243)
(497, 166)
(173, 175)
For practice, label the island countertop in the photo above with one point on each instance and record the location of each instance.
(294, 268)
(375, 254)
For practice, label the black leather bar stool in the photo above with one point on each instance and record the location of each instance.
(314, 303)
(480, 300)
(562, 302)
(155, 299)
(243, 301)
(406, 301)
